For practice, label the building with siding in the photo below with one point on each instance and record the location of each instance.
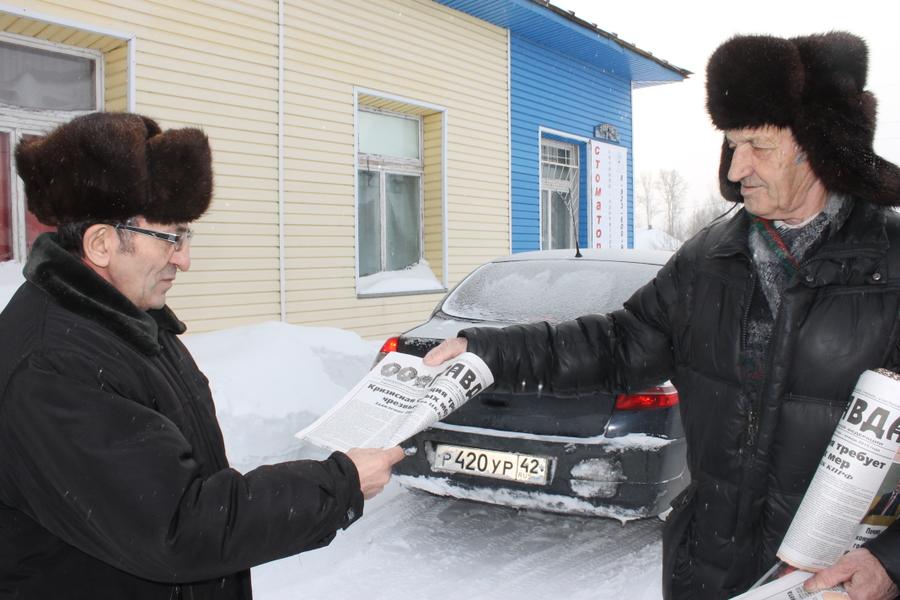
(362, 148)
(212, 65)
(570, 125)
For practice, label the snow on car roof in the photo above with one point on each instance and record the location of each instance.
(656, 257)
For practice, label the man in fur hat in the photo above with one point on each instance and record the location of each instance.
(113, 476)
(763, 321)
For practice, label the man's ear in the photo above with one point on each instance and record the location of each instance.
(99, 244)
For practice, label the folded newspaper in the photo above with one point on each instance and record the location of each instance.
(790, 587)
(397, 399)
(854, 494)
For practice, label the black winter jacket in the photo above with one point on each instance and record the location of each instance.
(113, 476)
(750, 465)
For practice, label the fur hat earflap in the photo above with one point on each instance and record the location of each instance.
(109, 167)
(815, 86)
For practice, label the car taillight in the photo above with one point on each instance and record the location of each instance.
(390, 345)
(663, 396)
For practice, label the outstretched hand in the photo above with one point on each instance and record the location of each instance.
(449, 348)
(861, 574)
(374, 467)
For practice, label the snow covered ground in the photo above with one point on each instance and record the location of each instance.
(272, 379)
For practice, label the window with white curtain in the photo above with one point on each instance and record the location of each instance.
(389, 201)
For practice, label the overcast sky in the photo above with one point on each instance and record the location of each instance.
(671, 127)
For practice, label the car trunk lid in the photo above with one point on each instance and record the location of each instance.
(576, 416)
(582, 415)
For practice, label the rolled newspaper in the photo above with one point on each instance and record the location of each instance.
(397, 399)
(859, 468)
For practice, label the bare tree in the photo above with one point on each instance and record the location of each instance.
(672, 187)
(701, 216)
(644, 198)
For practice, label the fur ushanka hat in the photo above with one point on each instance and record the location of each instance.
(109, 167)
(813, 85)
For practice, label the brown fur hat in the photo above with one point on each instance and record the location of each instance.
(109, 167)
(814, 85)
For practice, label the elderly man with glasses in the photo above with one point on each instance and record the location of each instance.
(113, 477)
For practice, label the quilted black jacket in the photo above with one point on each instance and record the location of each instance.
(750, 465)
(113, 476)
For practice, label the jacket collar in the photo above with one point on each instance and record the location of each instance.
(79, 289)
(731, 237)
(853, 255)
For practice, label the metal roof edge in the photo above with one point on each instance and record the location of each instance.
(571, 16)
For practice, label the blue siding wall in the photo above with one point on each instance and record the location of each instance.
(553, 91)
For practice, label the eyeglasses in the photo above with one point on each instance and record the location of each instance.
(178, 240)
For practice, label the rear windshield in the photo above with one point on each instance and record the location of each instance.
(545, 290)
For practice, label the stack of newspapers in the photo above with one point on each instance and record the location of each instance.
(853, 496)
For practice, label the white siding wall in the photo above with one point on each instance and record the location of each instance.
(116, 78)
(213, 64)
(421, 51)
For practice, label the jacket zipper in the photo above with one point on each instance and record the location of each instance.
(189, 402)
(753, 418)
(746, 317)
(745, 320)
(168, 360)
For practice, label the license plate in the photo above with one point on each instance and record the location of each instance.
(511, 466)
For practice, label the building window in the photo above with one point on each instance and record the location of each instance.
(39, 78)
(559, 194)
(390, 202)
(42, 85)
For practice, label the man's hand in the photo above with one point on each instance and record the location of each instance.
(860, 572)
(449, 348)
(374, 467)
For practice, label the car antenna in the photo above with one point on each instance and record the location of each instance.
(575, 227)
(572, 205)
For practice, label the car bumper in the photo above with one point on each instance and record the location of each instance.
(626, 477)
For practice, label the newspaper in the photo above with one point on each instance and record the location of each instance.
(397, 399)
(790, 587)
(856, 468)
(853, 496)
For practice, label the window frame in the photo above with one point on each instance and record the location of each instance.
(392, 165)
(48, 46)
(548, 187)
(18, 121)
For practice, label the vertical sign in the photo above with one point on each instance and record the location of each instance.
(609, 196)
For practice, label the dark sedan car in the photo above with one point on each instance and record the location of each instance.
(596, 453)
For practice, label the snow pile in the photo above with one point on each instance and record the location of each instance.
(273, 379)
(655, 239)
(10, 280)
(272, 369)
(417, 278)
